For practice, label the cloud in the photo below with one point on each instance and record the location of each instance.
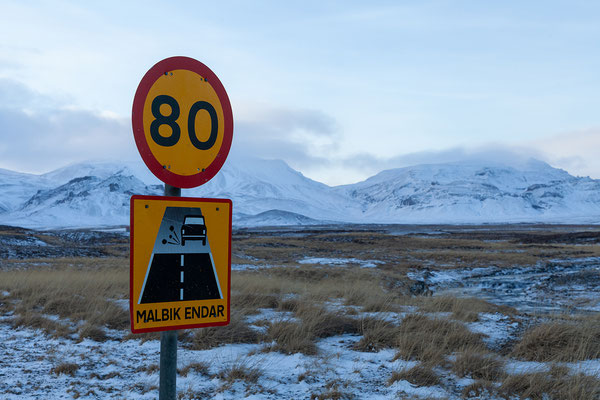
(301, 137)
(369, 164)
(38, 133)
(576, 151)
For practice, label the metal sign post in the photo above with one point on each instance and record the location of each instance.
(168, 343)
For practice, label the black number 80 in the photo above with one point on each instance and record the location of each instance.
(171, 119)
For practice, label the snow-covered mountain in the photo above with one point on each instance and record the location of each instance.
(476, 193)
(98, 197)
(256, 186)
(271, 193)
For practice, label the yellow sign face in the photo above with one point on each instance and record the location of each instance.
(183, 122)
(180, 264)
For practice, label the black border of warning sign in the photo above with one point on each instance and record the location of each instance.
(137, 113)
(131, 262)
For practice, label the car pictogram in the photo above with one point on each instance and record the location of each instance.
(193, 228)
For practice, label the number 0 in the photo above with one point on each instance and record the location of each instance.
(214, 125)
(170, 120)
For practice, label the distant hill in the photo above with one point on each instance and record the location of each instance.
(268, 192)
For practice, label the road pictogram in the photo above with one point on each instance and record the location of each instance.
(180, 262)
(177, 272)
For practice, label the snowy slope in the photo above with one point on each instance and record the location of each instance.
(17, 188)
(256, 186)
(271, 193)
(275, 218)
(82, 201)
(475, 192)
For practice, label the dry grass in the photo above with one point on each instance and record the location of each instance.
(316, 322)
(238, 331)
(459, 248)
(82, 292)
(376, 335)
(65, 368)
(430, 340)
(93, 332)
(558, 384)
(333, 390)
(462, 308)
(419, 375)
(480, 389)
(560, 341)
(75, 294)
(291, 337)
(201, 368)
(240, 370)
(36, 321)
(478, 365)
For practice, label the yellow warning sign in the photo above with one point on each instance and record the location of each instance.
(180, 263)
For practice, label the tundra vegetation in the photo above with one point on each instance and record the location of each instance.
(294, 289)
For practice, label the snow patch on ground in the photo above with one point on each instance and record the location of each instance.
(427, 392)
(341, 261)
(497, 328)
(250, 267)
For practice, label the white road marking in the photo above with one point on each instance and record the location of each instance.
(182, 261)
(181, 276)
(181, 294)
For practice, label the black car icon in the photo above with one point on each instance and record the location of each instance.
(193, 228)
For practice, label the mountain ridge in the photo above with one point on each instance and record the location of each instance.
(270, 192)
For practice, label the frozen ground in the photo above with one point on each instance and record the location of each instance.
(127, 369)
(121, 368)
(571, 285)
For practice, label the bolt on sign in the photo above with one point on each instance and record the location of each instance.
(180, 263)
(182, 122)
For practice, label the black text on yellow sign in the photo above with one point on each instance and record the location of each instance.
(180, 265)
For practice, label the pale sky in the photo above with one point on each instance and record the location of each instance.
(339, 90)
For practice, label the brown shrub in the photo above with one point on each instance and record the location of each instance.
(291, 337)
(480, 389)
(198, 367)
(74, 289)
(316, 322)
(419, 375)
(558, 384)
(144, 337)
(238, 331)
(92, 332)
(36, 321)
(462, 308)
(478, 365)
(240, 371)
(560, 341)
(65, 368)
(322, 323)
(333, 391)
(377, 334)
(425, 339)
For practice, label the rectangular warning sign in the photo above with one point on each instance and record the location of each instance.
(180, 263)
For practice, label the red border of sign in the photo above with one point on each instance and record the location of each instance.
(131, 233)
(159, 69)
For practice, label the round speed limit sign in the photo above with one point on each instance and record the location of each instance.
(182, 122)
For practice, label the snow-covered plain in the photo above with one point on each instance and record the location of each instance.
(121, 368)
